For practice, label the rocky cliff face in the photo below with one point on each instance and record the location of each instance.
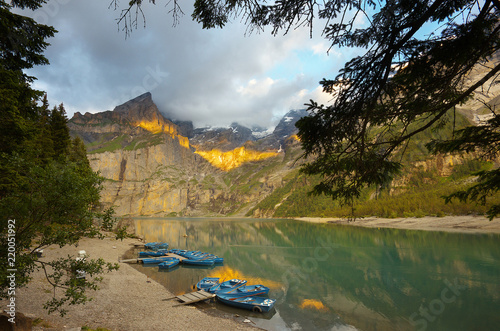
(152, 168)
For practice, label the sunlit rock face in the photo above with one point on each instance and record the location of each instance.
(235, 158)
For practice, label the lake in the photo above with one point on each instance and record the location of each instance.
(337, 277)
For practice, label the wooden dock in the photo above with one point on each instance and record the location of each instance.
(177, 256)
(186, 299)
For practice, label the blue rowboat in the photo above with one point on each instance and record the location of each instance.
(206, 262)
(180, 252)
(192, 254)
(157, 253)
(245, 291)
(207, 282)
(170, 263)
(197, 255)
(155, 260)
(219, 259)
(206, 257)
(257, 304)
(228, 284)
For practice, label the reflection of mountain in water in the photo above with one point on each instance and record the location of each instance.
(325, 275)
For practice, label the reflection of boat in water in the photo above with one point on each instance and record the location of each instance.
(177, 266)
(255, 304)
(232, 310)
(192, 266)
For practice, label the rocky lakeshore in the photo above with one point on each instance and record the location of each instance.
(126, 300)
(463, 224)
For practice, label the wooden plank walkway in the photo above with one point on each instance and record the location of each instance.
(176, 256)
(192, 297)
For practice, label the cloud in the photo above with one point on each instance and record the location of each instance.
(212, 77)
(320, 48)
(256, 88)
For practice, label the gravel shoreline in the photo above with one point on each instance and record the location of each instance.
(462, 224)
(126, 299)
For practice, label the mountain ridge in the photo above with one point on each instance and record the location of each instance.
(156, 166)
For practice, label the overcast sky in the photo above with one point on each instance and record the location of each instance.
(211, 77)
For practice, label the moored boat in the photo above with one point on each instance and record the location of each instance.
(207, 282)
(257, 304)
(170, 263)
(160, 252)
(155, 260)
(245, 291)
(206, 257)
(228, 284)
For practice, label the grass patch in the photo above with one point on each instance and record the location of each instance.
(113, 145)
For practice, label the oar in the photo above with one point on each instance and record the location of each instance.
(218, 284)
(246, 296)
(234, 288)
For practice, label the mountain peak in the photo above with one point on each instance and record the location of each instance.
(142, 101)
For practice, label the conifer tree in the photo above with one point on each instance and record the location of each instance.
(78, 152)
(44, 143)
(45, 198)
(59, 130)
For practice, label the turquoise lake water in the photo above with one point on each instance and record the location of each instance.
(334, 277)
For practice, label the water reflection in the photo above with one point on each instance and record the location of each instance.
(327, 276)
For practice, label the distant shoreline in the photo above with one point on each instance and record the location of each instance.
(462, 224)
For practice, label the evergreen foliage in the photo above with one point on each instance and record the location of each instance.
(49, 195)
(420, 192)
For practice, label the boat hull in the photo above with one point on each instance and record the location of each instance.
(199, 262)
(207, 283)
(256, 304)
(155, 260)
(153, 253)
